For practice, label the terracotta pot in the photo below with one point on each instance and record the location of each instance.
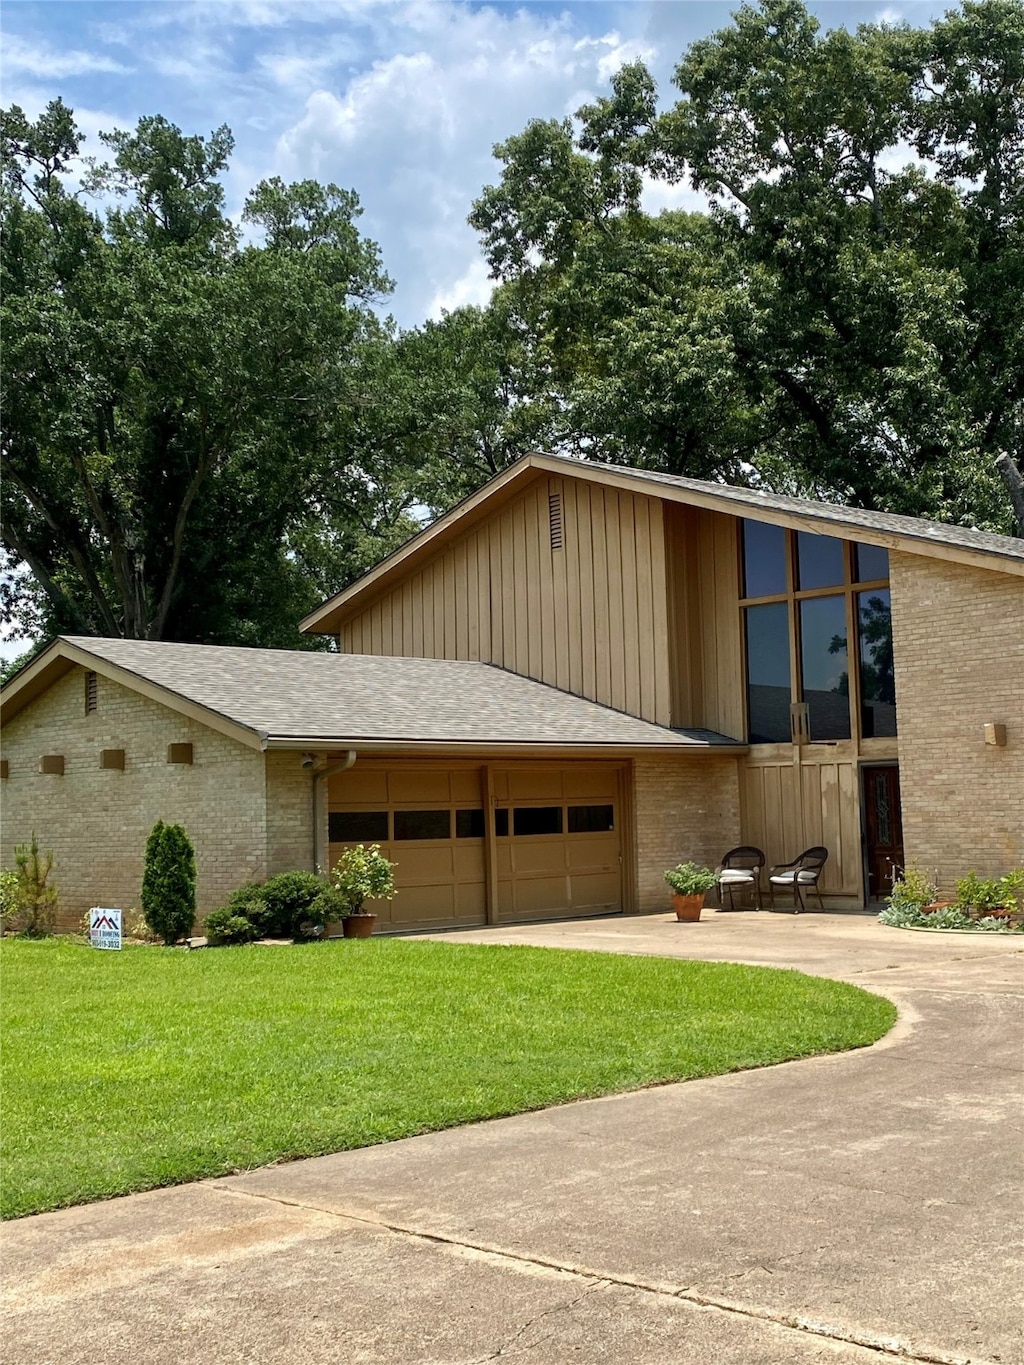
(358, 926)
(688, 907)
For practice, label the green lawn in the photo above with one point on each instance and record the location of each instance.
(123, 1071)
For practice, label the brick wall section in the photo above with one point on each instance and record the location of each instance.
(289, 813)
(97, 821)
(958, 642)
(685, 808)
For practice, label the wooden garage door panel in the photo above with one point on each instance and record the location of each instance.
(541, 895)
(592, 852)
(538, 856)
(589, 784)
(358, 787)
(420, 864)
(534, 784)
(430, 787)
(423, 905)
(596, 891)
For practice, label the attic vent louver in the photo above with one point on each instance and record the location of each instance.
(555, 520)
(91, 693)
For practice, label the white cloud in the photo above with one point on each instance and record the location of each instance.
(474, 286)
(43, 62)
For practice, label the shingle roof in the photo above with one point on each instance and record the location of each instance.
(753, 500)
(295, 694)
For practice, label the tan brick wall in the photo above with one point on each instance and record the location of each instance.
(958, 642)
(97, 821)
(289, 813)
(684, 808)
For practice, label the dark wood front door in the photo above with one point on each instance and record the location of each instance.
(883, 828)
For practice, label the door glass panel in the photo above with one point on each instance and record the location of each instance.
(819, 561)
(764, 559)
(469, 824)
(824, 669)
(423, 824)
(768, 689)
(877, 678)
(871, 562)
(591, 819)
(537, 820)
(501, 821)
(357, 826)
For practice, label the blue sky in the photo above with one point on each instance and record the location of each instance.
(398, 99)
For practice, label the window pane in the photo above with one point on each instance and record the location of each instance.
(469, 824)
(764, 559)
(877, 679)
(501, 822)
(824, 667)
(423, 824)
(768, 695)
(591, 819)
(872, 561)
(357, 826)
(537, 820)
(819, 561)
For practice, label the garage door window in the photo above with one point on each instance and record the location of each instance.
(591, 819)
(469, 824)
(357, 826)
(423, 824)
(537, 820)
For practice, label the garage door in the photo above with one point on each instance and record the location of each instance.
(556, 839)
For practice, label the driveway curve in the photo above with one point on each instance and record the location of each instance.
(854, 1208)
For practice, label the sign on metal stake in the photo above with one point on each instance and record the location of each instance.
(104, 928)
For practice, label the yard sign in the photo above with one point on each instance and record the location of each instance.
(104, 928)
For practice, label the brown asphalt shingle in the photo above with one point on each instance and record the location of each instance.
(295, 694)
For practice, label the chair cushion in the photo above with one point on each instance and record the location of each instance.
(735, 875)
(786, 878)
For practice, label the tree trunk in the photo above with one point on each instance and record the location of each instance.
(1011, 476)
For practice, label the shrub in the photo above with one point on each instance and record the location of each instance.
(223, 926)
(29, 902)
(978, 894)
(169, 883)
(690, 879)
(910, 891)
(290, 905)
(1013, 889)
(360, 873)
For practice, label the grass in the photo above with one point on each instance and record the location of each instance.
(125, 1071)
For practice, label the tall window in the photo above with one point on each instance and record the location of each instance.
(805, 597)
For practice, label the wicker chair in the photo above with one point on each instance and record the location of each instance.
(740, 870)
(799, 876)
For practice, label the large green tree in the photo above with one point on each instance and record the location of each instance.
(846, 319)
(182, 404)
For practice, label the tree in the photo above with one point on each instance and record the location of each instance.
(846, 320)
(168, 899)
(177, 404)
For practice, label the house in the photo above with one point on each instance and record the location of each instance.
(578, 677)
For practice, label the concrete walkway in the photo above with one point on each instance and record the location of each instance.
(847, 1208)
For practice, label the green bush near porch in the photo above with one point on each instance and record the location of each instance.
(125, 1071)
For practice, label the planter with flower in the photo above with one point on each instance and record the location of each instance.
(362, 873)
(689, 883)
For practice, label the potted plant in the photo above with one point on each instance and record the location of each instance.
(689, 882)
(360, 873)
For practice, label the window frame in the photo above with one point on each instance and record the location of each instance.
(849, 589)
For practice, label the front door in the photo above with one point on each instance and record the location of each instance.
(883, 828)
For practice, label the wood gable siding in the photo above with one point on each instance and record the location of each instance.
(589, 617)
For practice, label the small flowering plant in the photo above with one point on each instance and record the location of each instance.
(363, 872)
(690, 879)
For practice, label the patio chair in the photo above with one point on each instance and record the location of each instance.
(799, 876)
(740, 870)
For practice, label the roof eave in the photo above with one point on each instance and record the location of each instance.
(59, 657)
(496, 748)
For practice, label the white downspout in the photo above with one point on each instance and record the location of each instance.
(322, 769)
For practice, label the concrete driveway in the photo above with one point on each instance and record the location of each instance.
(849, 1208)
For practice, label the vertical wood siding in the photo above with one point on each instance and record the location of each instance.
(590, 618)
(707, 666)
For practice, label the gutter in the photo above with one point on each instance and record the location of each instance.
(323, 769)
(506, 748)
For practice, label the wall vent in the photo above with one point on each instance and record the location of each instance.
(555, 520)
(91, 692)
(179, 753)
(52, 763)
(5, 769)
(113, 759)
